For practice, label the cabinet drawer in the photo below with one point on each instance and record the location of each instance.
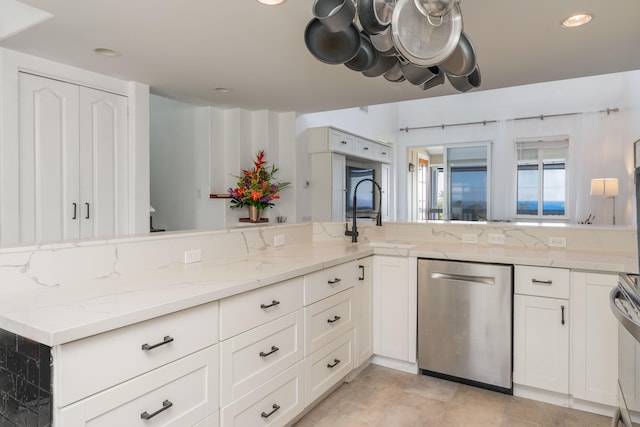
(339, 141)
(327, 282)
(382, 153)
(277, 402)
(242, 312)
(187, 388)
(327, 319)
(249, 359)
(327, 366)
(92, 364)
(210, 421)
(542, 281)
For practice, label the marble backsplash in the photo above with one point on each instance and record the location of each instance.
(67, 262)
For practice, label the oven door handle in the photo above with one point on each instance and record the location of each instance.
(625, 320)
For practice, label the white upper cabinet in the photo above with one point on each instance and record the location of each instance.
(73, 161)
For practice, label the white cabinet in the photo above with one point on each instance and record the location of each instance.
(541, 328)
(329, 186)
(73, 161)
(395, 307)
(364, 311)
(594, 338)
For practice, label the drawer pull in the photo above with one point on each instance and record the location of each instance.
(334, 281)
(562, 311)
(334, 320)
(165, 405)
(273, 350)
(273, 304)
(541, 282)
(165, 340)
(275, 408)
(334, 364)
(361, 267)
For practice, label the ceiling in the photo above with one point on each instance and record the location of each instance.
(184, 49)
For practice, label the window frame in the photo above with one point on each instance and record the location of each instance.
(540, 144)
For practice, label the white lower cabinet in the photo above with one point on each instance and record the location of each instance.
(274, 403)
(541, 343)
(594, 339)
(330, 364)
(210, 421)
(327, 319)
(179, 394)
(395, 300)
(541, 328)
(364, 311)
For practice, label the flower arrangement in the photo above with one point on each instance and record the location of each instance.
(257, 187)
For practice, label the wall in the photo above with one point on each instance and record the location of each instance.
(196, 151)
(600, 143)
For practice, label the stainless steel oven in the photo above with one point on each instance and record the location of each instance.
(625, 305)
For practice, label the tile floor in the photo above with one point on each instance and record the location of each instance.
(383, 397)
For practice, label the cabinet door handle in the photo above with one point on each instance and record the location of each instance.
(366, 148)
(165, 405)
(562, 312)
(361, 267)
(541, 282)
(273, 350)
(75, 211)
(334, 364)
(343, 142)
(273, 304)
(165, 340)
(87, 217)
(275, 408)
(334, 320)
(334, 281)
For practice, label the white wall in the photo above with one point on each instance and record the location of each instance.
(196, 151)
(600, 143)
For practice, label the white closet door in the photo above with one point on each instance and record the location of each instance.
(103, 164)
(48, 159)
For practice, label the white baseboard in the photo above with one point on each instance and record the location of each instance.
(564, 400)
(398, 365)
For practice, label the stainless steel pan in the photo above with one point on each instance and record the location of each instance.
(366, 57)
(375, 15)
(332, 47)
(421, 42)
(462, 61)
(335, 15)
(466, 83)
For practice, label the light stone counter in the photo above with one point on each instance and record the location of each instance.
(55, 294)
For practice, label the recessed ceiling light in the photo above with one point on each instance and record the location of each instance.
(106, 51)
(223, 90)
(577, 20)
(271, 2)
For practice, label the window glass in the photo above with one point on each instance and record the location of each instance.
(468, 191)
(541, 194)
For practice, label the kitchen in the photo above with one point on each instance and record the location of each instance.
(243, 129)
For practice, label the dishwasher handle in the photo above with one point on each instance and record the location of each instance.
(483, 280)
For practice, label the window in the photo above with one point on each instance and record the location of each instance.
(468, 178)
(541, 176)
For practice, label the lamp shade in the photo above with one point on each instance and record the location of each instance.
(605, 187)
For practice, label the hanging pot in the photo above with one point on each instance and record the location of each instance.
(462, 61)
(375, 15)
(335, 15)
(383, 42)
(421, 42)
(418, 75)
(394, 74)
(434, 8)
(436, 80)
(382, 65)
(466, 83)
(332, 47)
(366, 57)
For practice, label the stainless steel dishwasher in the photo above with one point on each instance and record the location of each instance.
(465, 316)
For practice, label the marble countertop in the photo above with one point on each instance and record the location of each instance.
(54, 315)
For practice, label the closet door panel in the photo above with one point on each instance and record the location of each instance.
(48, 159)
(103, 163)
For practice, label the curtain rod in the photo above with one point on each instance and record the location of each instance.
(485, 122)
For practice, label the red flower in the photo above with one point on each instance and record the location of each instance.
(255, 195)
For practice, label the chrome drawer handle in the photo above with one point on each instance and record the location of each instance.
(542, 282)
(334, 364)
(275, 408)
(273, 350)
(335, 319)
(165, 405)
(334, 281)
(273, 304)
(165, 340)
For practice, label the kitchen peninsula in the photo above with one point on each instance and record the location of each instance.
(88, 301)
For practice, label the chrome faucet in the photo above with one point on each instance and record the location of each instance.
(354, 229)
